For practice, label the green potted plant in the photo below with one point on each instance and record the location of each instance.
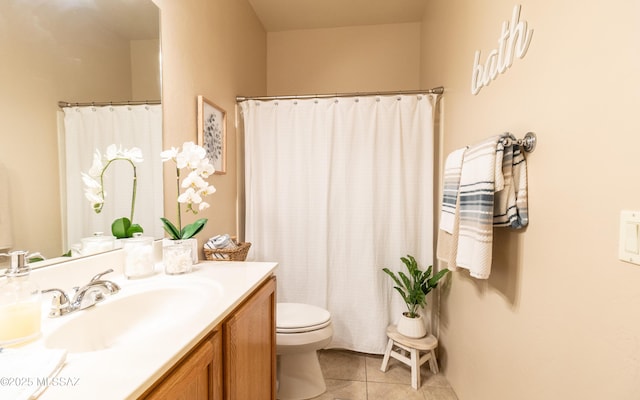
(414, 289)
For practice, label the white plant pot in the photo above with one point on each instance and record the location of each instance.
(412, 327)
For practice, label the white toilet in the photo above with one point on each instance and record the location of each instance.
(301, 330)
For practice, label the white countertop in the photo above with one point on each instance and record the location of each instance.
(125, 372)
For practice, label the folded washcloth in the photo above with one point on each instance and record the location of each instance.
(26, 373)
(510, 205)
(480, 177)
(447, 245)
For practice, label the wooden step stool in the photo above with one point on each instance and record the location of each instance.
(413, 347)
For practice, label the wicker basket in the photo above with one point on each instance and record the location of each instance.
(237, 254)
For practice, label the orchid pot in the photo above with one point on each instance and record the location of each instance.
(138, 256)
(191, 242)
(178, 256)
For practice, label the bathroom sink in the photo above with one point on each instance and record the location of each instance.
(133, 315)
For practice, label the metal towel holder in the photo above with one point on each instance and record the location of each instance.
(528, 142)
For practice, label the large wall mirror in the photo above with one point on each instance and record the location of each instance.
(72, 50)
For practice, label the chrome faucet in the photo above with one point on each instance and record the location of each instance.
(89, 295)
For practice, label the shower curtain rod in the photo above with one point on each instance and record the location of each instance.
(436, 90)
(63, 104)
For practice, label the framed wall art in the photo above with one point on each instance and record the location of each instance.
(212, 133)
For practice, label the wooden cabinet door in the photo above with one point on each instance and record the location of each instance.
(250, 347)
(218, 365)
(197, 377)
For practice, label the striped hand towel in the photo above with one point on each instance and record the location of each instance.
(447, 245)
(510, 206)
(450, 187)
(480, 177)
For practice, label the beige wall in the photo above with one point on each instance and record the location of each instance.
(145, 57)
(216, 49)
(558, 318)
(352, 59)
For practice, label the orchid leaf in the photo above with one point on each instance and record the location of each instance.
(170, 228)
(120, 226)
(134, 228)
(191, 230)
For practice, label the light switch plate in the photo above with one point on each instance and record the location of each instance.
(629, 241)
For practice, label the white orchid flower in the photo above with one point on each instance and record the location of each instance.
(191, 156)
(203, 206)
(97, 166)
(194, 180)
(169, 154)
(90, 182)
(112, 152)
(205, 169)
(182, 161)
(207, 190)
(134, 154)
(197, 151)
(190, 196)
(93, 197)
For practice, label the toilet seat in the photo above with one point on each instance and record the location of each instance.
(303, 329)
(300, 318)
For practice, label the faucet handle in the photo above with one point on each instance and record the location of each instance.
(62, 296)
(60, 302)
(101, 274)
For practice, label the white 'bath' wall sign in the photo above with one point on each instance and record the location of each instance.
(513, 42)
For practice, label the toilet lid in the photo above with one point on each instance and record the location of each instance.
(297, 317)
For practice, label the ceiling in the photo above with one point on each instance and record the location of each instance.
(78, 20)
(139, 19)
(284, 15)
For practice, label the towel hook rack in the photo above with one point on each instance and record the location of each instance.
(528, 142)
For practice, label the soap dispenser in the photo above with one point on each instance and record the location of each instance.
(20, 302)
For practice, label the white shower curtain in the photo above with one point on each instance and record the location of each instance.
(337, 189)
(87, 129)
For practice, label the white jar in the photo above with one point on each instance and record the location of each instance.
(177, 256)
(138, 256)
(97, 243)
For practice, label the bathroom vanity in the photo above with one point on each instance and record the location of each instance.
(209, 334)
(236, 360)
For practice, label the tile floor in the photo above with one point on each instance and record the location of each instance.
(356, 376)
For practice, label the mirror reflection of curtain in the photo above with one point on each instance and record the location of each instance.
(87, 129)
(337, 189)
